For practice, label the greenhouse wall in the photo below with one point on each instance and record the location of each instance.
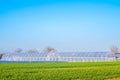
(61, 57)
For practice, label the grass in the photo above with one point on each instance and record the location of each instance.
(60, 71)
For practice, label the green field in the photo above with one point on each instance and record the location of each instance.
(60, 71)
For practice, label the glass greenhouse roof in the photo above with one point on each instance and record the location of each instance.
(63, 54)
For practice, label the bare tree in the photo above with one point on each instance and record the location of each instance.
(49, 50)
(114, 49)
(1, 55)
(18, 50)
(33, 51)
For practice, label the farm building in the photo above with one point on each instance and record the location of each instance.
(61, 57)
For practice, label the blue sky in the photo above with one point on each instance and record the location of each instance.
(67, 25)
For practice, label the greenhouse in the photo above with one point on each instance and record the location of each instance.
(60, 57)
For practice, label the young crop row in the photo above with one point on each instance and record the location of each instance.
(60, 71)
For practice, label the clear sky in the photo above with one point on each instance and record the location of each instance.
(67, 25)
